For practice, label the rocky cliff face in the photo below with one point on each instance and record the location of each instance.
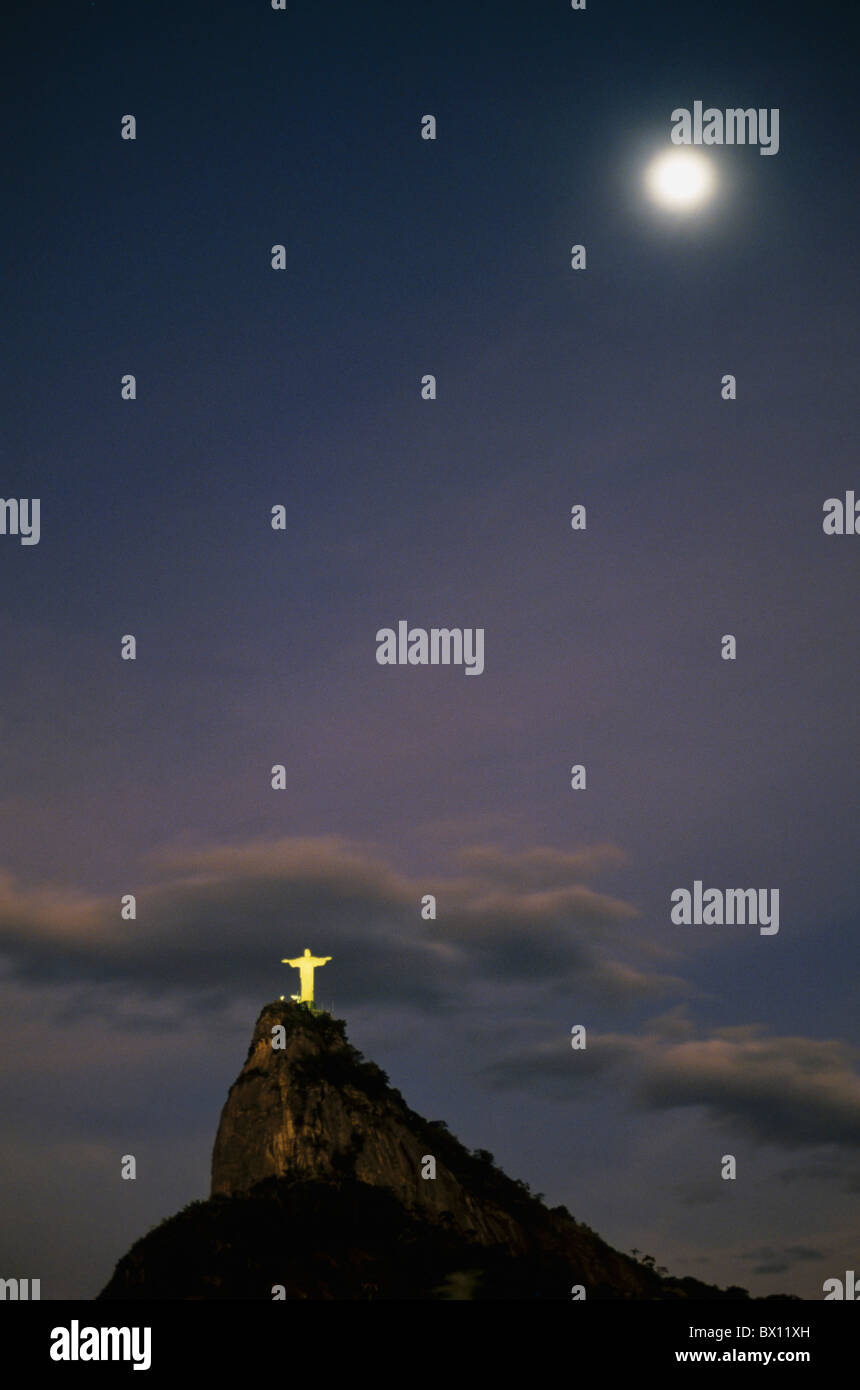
(315, 1109)
(318, 1192)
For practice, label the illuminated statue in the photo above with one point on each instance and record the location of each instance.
(306, 965)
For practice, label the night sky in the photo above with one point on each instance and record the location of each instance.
(257, 647)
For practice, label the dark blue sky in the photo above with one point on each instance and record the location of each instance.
(258, 647)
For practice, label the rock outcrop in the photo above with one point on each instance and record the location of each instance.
(318, 1191)
(316, 1109)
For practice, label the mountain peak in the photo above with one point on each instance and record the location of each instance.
(307, 1105)
(326, 1185)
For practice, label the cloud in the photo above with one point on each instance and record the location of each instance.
(218, 918)
(553, 1066)
(700, 1191)
(49, 914)
(828, 1171)
(540, 867)
(770, 1261)
(791, 1091)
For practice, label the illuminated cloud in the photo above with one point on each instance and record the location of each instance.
(794, 1092)
(221, 917)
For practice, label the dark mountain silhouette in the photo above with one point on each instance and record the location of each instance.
(318, 1192)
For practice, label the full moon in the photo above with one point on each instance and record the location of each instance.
(681, 179)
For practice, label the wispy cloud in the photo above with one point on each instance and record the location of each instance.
(791, 1091)
(221, 916)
